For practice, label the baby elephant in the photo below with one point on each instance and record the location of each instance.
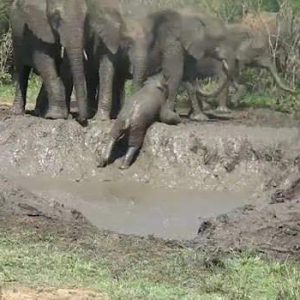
(138, 113)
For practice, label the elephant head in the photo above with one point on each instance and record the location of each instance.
(105, 23)
(136, 42)
(242, 48)
(200, 35)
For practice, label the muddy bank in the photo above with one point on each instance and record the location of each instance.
(17, 201)
(251, 155)
(208, 156)
(273, 229)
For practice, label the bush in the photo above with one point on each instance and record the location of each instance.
(5, 58)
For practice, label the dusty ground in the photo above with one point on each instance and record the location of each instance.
(257, 150)
(49, 294)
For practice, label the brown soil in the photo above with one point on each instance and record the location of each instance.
(18, 293)
(262, 156)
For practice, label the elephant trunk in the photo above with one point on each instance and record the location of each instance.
(139, 66)
(77, 67)
(278, 81)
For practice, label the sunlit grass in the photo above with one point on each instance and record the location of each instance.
(174, 274)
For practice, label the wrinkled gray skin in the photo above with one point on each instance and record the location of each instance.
(103, 38)
(166, 39)
(138, 113)
(144, 53)
(40, 29)
(74, 25)
(241, 49)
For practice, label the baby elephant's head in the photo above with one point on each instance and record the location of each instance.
(160, 82)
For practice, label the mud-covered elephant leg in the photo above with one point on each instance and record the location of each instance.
(23, 73)
(172, 67)
(46, 66)
(196, 103)
(42, 103)
(115, 134)
(223, 100)
(135, 142)
(106, 75)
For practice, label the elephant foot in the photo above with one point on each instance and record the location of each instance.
(223, 110)
(102, 115)
(55, 113)
(199, 117)
(124, 166)
(102, 163)
(169, 117)
(18, 109)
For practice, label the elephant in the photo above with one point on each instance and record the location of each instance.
(43, 29)
(138, 113)
(39, 37)
(240, 49)
(163, 42)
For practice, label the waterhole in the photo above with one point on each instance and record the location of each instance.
(137, 208)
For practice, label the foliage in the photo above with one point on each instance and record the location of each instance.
(160, 273)
(5, 57)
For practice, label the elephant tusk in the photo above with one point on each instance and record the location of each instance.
(62, 52)
(225, 66)
(85, 55)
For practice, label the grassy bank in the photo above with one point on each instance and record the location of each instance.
(33, 260)
(7, 91)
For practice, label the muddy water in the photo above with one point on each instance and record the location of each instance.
(135, 208)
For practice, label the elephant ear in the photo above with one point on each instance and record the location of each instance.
(192, 36)
(249, 50)
(108, 28)
(36, 19)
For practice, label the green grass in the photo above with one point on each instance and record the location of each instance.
(7, 91)
(286, 103)
(177, 274)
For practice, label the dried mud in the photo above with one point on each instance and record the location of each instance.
(255, 151)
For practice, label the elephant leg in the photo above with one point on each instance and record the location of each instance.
(172, 66)
(46, 66)
(106, 75)
(116, 133)
(41, 105)
(240, 93)
(23, 72)
(135, 142)
(196, 103)
(129, 157)
(103, 161)
(223, 100)
(118, 95)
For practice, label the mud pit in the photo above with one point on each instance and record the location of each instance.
(218, 176)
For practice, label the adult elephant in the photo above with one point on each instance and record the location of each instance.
(43, 28)
(242, 48)
(164, 40)
(39, 35)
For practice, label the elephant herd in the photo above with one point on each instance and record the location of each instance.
(90, 46)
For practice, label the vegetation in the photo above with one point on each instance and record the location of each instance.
(29, 259)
